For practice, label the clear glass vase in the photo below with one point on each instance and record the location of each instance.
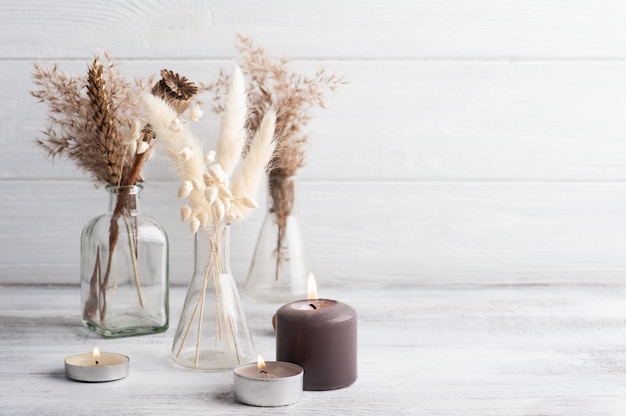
(281, 262)
(124, 269)
(213, 332)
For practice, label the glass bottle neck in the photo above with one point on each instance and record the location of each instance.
(124, 199)
(212, 249)
(282, 194)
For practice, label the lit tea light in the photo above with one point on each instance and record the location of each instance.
(96, 366)
(321, 336)
(262, 367)
(271, 383)
(96, 355)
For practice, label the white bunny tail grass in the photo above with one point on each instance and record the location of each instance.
(177, 139)
(247, 179)
(233, 131)
(186, 154)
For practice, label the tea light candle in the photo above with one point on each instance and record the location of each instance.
(96, 367)
(268, 384)
(321, 336)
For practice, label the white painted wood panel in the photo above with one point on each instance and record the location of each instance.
(477, 142)
(404, 120)
(396, 29)
(422, 351)
(360, 232)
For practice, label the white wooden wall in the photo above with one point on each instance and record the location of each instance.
(479, 141)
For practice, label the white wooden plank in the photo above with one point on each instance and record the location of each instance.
(514, 350)
(405, 120)
(360, 232)
(325, 28)
(487, 137)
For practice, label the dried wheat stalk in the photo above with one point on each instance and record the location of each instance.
(106, 130)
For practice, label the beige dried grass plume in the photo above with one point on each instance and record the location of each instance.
(273, 85)
(92, 118)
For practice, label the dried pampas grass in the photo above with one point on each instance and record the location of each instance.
(92, 119)
(273, 85)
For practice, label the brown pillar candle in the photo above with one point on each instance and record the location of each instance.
(319, 335)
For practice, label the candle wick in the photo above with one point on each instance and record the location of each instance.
(312, 305)
(97, 362)
(267, 375)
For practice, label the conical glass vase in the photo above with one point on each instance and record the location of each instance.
(281, 262)
(213, 332)
(124, 269)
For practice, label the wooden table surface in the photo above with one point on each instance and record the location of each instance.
(476, 350)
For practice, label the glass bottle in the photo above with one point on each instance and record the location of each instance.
(281, 263)
(213, 332)
(124, 269)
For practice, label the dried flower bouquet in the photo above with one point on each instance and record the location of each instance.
(220, 188)
(96, 122)
(274, 85)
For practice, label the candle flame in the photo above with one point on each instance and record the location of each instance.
(312, 286)
(260, 363)
(96, 353)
